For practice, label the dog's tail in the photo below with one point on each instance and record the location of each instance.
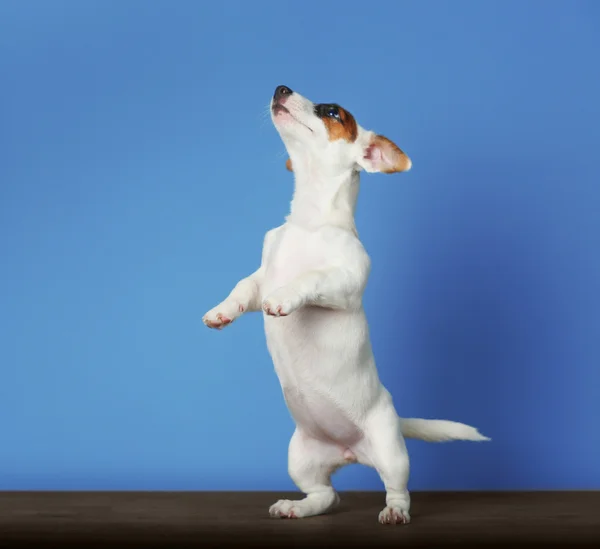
(439, 430)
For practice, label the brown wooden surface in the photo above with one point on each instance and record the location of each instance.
(204, 519)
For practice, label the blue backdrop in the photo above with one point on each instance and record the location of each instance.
(138, 174)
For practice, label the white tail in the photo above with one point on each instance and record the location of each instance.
(439, 430)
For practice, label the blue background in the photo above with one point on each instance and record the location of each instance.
(139, 173)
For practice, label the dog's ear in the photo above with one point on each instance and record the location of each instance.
(382, 155)
(288, 164)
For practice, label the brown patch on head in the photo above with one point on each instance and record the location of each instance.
(339, 122)
(288, 164)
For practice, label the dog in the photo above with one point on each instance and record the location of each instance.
(309, 287)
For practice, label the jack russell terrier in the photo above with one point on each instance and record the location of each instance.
(309, 286)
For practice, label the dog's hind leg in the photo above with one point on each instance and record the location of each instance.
(384, 449)
(311, 462)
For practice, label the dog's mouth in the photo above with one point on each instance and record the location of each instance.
(278, 108)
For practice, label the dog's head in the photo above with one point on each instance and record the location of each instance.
(327, 137)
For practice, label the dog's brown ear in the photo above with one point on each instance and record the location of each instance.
(288, 164)
(382, 155)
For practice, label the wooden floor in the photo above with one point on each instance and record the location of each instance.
(206, 519)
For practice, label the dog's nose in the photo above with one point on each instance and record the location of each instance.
(281, 91)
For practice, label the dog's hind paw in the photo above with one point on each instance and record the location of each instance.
(394, 515)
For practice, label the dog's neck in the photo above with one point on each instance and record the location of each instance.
(322, 198)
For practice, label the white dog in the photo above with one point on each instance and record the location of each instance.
(310, 285)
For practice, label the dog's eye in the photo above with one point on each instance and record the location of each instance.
(333, 112)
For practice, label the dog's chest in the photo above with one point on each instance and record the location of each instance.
(293, 252)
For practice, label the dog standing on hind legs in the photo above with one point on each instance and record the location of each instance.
(309, 285)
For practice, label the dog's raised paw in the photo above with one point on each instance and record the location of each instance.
(217, 321)
(281, 302)
(222, 315)
(274, 310)
(394, 515)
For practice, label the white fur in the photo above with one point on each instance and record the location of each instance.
(309, 286)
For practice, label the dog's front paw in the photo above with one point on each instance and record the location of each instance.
(223, 314)
(282, 302)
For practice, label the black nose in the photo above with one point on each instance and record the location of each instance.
(280, 91)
